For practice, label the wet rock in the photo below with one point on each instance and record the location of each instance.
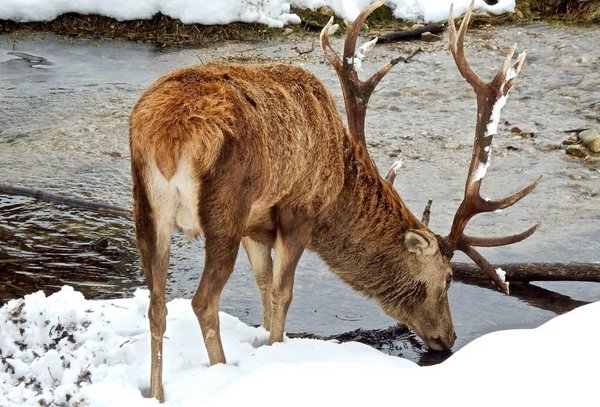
(577, 151)
(519, 134)
(451, 146)
(559, 46)
(572, 139)
(549, 147)
(584, 59)
(576, 177)
(326, 11)
(591, 139)
(429, 37)
(593, 162)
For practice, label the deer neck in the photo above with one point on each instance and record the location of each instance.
(360, 236)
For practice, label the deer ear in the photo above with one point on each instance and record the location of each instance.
(419, 242)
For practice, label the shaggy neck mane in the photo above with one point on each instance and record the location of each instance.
(361, 236)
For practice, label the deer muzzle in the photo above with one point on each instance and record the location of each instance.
(440, 342)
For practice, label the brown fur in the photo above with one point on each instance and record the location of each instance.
(259, 154)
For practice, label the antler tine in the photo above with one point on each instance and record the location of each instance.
(328, 50)
(353, 28)
(426, 213)
(356, 92)
(491, 98)
(457, 48)
(489, 206)
(500, 240)
(391, 175)
(510, 76)
(487, 268)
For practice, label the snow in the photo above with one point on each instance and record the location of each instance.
(356, 61)
(481, 170)
(397, 165)
(501, 274)
(66, 350)
(492, 124)
(275, 13)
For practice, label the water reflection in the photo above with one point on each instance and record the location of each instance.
(45, 247)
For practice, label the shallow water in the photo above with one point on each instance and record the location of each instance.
(63, 129)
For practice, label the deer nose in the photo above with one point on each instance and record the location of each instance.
(440, 342)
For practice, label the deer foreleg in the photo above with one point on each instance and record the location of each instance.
(292, 237)
(262, 266)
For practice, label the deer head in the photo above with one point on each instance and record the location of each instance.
(434, 252)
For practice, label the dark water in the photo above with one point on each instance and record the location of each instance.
(63, 129)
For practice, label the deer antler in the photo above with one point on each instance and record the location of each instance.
(356, 92)
(491, 97)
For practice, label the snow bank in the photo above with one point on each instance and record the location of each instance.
(65, 350)
(275, 13)
(419, 10)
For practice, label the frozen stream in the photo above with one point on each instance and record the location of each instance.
(64, 130)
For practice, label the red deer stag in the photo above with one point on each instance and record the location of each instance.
(258, 154)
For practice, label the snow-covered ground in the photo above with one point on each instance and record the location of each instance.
(66, 350)
(275, 13)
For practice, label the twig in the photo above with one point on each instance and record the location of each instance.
(412, 54)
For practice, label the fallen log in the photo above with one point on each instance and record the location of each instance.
(526, 272)
(61, 200)
(409, 35)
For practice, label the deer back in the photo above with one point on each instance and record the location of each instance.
(269, 132)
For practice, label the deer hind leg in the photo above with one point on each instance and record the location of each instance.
(259, 255)
(291, 239)
(153, 227)
(221, 252)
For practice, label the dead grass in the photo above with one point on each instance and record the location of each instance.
(161, 30)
